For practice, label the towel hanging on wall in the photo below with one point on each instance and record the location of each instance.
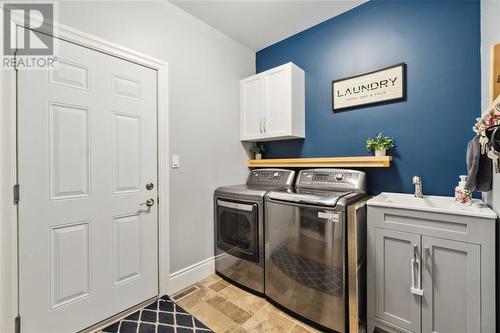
(473, 154)
(479, 168)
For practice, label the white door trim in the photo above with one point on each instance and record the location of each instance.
(8, 166)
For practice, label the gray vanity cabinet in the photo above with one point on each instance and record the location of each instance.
(430, 271)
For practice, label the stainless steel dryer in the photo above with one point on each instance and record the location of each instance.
(239, 227)
(307, 247)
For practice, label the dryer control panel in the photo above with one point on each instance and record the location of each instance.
(332, 179)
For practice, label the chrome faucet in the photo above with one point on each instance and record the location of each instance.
(417, 181)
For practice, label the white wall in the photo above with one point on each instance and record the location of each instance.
(490, 34)
(204, 69)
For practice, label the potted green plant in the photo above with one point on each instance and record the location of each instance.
(257, 149)
(380, 144)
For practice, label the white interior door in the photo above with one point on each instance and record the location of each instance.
(87, 148)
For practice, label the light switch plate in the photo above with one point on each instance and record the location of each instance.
(176, 162)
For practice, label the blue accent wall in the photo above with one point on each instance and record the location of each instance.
(440, 43)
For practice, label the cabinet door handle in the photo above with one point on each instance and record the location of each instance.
(265, 131)
(416, 288)
(427, 258)
(260, 125)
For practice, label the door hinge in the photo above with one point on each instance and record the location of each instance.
(18, 324)
(16, 194)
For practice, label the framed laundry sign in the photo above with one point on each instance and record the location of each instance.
(380, 86)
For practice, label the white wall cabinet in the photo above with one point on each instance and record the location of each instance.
(273, 104)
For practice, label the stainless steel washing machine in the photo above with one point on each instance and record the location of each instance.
(239, 227)
(315, 247)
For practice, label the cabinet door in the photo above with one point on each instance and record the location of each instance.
(277, 102)
(452, 287)
(251, 106)
(394, 252)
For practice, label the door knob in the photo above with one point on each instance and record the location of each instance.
(150, 202)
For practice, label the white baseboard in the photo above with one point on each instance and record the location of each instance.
(187, 276)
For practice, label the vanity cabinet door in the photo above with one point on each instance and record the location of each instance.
(452, 286)
(395, 253)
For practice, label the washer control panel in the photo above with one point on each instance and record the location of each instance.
(271, 177)
(334, 179)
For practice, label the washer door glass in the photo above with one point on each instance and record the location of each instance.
(237, 228)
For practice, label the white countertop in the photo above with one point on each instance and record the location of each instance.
(432, 203)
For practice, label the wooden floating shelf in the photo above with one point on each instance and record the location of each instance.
(324, 162)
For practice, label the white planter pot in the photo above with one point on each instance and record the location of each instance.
(258, 156)
(381, 152)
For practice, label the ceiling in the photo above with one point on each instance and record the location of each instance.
(260, 23)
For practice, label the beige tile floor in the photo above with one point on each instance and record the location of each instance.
(226, 308)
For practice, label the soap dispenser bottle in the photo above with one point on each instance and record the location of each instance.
(463, 196)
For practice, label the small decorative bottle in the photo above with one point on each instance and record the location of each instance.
(463, 196)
